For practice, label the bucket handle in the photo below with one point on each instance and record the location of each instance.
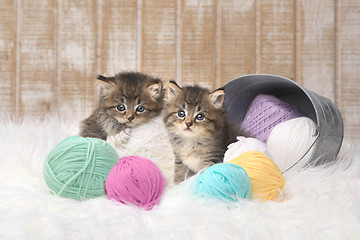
(316, 133)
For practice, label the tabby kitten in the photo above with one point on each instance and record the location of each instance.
(126, 100)
(198, 128)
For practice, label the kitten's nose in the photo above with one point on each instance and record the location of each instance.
(130, 118)
(188, 124)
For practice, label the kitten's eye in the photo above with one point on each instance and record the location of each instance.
(140, 109)
(181, 114)
(120, 107)
(200, 117)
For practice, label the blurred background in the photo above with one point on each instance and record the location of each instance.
(52, 50)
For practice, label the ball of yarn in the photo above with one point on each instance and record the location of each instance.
(77, 167)
(291, 143)
(135, 181)
(223, 181)
(149, 140)
(266, 177)
(264, 113)
(243, 145)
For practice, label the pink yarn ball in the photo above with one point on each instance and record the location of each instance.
(135, 181)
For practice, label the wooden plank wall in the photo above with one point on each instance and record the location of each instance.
(51, 50)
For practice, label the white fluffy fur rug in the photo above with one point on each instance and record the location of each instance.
(317, 203)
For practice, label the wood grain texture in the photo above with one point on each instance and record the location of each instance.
(235, 40)
(116, 36)
(51, 50)
(76, 61)
(350, 65)
(158, 46)
(318, 47)
(7, 56)
(197, 42)
(37, 71)
(276, 34)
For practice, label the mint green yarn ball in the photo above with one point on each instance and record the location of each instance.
(78, 167)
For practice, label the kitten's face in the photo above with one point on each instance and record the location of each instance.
(132, 98)
(193, 112)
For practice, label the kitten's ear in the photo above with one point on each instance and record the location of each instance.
(173, 90)
(106, 84)
(217, 98)
(106, 81)
(155, 90)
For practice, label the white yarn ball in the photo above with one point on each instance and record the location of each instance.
(243, 145)
(289, 141)
(149, 140)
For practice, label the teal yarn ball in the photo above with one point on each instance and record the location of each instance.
(78, 167)
(223, 181)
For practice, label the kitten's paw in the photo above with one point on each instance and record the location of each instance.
(124, 136)
(127, 131)
(119, 139)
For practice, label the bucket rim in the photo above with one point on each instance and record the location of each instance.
(289, 80)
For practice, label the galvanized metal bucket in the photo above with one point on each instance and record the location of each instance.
(240, 92)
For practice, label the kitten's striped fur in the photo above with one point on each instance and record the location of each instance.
(127, 99)
(198, 128)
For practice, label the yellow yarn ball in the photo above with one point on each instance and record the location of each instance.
(265, 176)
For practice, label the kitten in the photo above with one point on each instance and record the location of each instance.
(198, 128)
(126, 100)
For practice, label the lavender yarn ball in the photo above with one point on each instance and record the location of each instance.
(264, 113)
(135, 181)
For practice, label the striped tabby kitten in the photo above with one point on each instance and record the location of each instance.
(126, 100)
(198, 128)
